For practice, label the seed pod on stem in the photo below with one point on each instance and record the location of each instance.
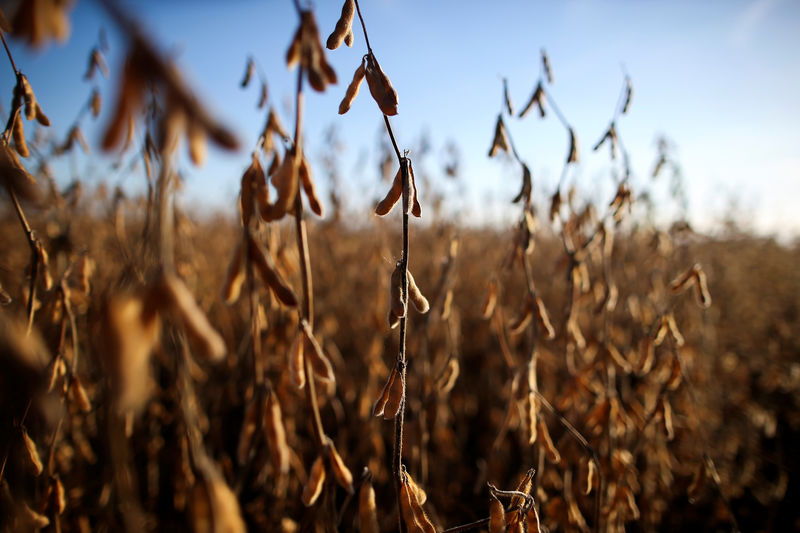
(315, 482)
(343, 25)
(353, 88)
(367, 512)
(391, 198)
(380, 87)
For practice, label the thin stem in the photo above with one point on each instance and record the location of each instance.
(305, 269)
(556, 110)
(402, 363)
(364, 28)
(391, 136)
(10, 57)
(34, 245)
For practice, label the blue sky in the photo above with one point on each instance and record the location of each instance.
(719, 78)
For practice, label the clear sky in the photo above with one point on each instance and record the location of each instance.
(720, 78)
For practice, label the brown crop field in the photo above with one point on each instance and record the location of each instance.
(273, 369)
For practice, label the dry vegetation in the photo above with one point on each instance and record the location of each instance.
(266, 373)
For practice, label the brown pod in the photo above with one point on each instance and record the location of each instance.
(419, 494)
(380, 404)
(591, 475)
(251, 418)
(533, 417)
(395, 398)
(674, 331)
(407, 509)
(276, 435)
(78, 395)
(340, 471)
(391, 198)
(396, 303)
(32, 454)
(500, 141)
(683, 281)
(343, 25)
(234, 277)
(573, 147)
(546, 66)
(416, 296)
(250, 179)
(297, 365)
(448, 379)
(293, 52)
(249, 70)
(320, 363)
(268, 272)
(537, 98)
(349, 38)
(392, 319)
(523, 318)
(353, 88)
(628, 94)
(18, 134)
(367, 512)
(497, 516)
(95, 104)
(183, 304)
(547, 443)
(262, 97)
(491, 300)
(380, 87)
(286, 182)
(665, 410)
(701, 288)
(308, 186)
(544, 319)
(416, 209)
(316, 479)
(197, 142)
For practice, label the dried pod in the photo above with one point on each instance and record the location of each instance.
(447, 304)
(396, 303)
(547, 442)
(491, 300)
(253, 186)
(180, 300)
(343, 25)
(31, 453)
(407, 511)
(58, 498)
(395, 397)
(628, 94)
(95, 103)
(279, 451)
(523, 318)
(315, 482)
(285, 180)
(252, 416)
(132, 329)
(538, 97)
(30, 520)
(618, 358)
(96, 61)
(664, 409)
(673, 330)
(262, 96)
(412, 201)
(701, 288)
(675, 376)
(698, 482)
(249, 70)
(307, 49)
(447, 380)
(500, 141)
(380, 87)
(18, 134)
(353, 88)
(78, 395)
(527, 187)
(391, 198)
(497, 516)
(683, 281)
(197, 142)
(416, 296)
(419, 494)
(533, 416)
(297, 364)
(235, 277)
(572, 157)
(507, 98)
(379, 407)
(544, 319)
(320, 363)
(647, 357)
(367, 512)
(214, 505)
(304, 171)
(14, 176)
(268, 272)
(591, 475)
(340, 471)
(546, 66)
(392, 319)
